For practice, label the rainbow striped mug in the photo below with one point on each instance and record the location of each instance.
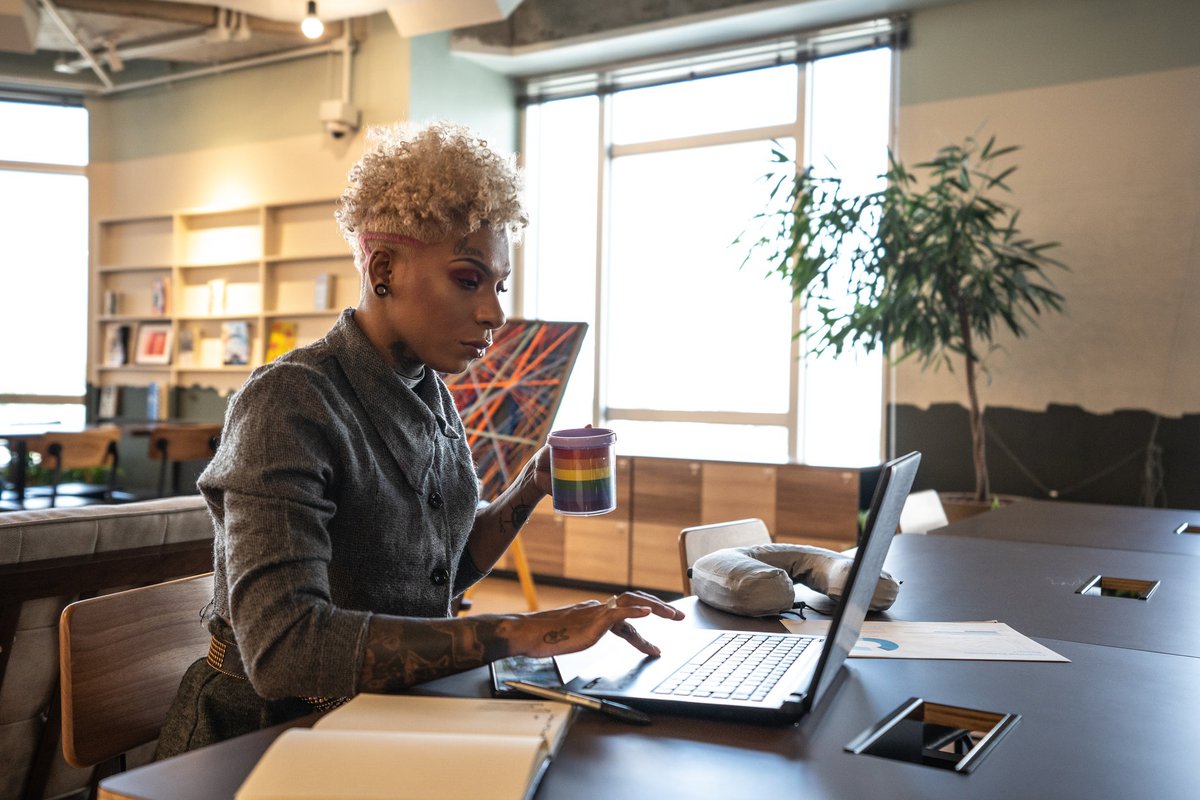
(584, 467)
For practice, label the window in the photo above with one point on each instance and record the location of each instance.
(640, 180)
(43, 262)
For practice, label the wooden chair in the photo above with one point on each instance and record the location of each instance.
(171, 445)
(121, 657)
(704, 539)
(93, 447)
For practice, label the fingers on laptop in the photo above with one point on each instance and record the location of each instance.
(630, 634)
(643, 599)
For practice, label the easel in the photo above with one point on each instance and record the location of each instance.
(507, 402)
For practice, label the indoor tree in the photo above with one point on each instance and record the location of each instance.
(931, 265)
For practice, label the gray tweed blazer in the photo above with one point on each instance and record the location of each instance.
(337, 492)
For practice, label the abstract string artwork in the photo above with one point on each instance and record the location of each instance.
(508, 399)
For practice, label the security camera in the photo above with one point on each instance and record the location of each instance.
(339, 118)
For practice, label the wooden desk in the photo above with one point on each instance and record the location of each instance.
(1091, 728)
(1032, 587)
(1114, 722)
(1150, 530)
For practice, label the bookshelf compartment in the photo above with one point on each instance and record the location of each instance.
(134, 293)
(220, 291)
(297, 331)
(136, 243)
(303, 229)
(292, 286)
(220, 238)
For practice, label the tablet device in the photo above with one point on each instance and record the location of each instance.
(522, 668)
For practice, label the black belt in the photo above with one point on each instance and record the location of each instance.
(224, 657)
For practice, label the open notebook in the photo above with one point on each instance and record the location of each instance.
(406, 747)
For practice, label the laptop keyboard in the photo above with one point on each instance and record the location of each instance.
(736, 666)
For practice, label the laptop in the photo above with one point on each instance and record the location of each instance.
(746, 674)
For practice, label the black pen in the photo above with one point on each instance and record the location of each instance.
(616, 710)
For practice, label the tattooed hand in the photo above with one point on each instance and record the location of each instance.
(577, 627)
(403, 651)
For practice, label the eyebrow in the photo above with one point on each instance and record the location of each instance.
(487, 268)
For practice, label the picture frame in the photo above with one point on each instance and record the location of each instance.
(154, 343)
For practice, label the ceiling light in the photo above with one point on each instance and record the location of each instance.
(65, 67)
(311, 26)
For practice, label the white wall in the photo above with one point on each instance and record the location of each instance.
(1104, 99)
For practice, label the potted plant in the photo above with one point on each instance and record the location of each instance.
(931, 266)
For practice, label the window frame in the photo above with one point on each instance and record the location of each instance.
(603, 85)
(50, 168)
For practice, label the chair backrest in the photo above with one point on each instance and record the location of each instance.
(189, 442)
(93, 447)
(171, 444)
(121, 657)
(701, 540)
(922, 512)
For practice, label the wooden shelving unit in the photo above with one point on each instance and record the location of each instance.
(257, 264)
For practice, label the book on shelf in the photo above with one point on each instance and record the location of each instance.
(108, 402)
(116, 345)
(216, 296)
(188, 346)
(160, 289)
(280, 339)
(235, 343)
(157, 401)
(323, 291)
(112, 303)
(406, 746)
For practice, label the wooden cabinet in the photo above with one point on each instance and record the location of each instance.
(637, 545)
(667, 497)
(817, 506)
(211, 275)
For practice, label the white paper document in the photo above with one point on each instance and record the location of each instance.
(969, 641)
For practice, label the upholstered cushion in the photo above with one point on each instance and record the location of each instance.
(759, 580)
(30, 678)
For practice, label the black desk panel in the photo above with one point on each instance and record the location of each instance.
(1112, 723)
(1150, 530)
(1032, 587)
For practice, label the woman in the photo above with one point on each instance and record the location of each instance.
(343, 496)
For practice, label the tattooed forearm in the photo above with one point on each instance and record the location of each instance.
(403, 651)
(556, 637)
(520, 515)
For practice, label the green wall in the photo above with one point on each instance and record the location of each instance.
(446, 86)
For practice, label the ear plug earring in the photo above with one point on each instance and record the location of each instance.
(381, 289)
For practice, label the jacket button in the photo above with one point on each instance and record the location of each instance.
(435, 500)
(440, 576)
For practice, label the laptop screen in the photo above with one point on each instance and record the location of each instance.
(882, 520)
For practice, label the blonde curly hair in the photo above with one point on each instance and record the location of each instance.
(429, 183)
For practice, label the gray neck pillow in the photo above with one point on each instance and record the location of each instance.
(758, 580)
